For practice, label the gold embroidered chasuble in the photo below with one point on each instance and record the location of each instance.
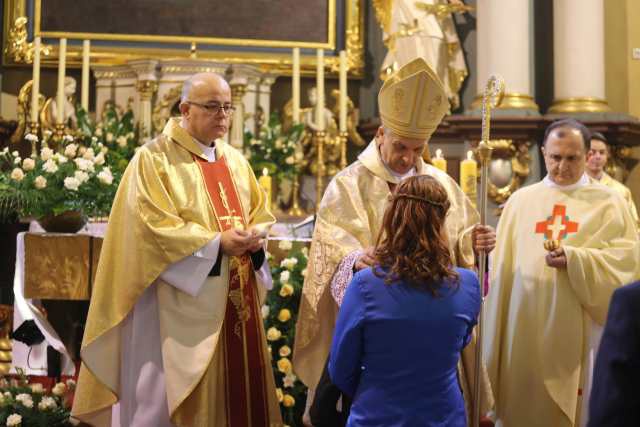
(538, 320)
(349, 219)
(161, 214)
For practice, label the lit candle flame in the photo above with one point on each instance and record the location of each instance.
(438, 154)
(470, 155)
(265, 172)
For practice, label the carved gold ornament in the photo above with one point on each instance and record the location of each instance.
(508, 169)
(17, 48)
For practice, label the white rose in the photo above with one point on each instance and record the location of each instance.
(71, 183)
(121, 141)
(285, 245)
(284, 276)
(36, 388)
(81, 176)
(94, 139)
(289, 263)
(17, 161)
(265, 311)
(59, 389)
(298, 156)
(89, 154)
(17, 174)
(98, 132)
(105, 176)
(47, 402)
(40, 182)
(25, 399)
(67, 138)
(46, 153)
(130, 135)
(71, 150)
(15, 153)
(14, 420)
(109, 137)
(31, 137)
(61, 159)
(50, 166)
(28, 164)
(289, 160)
(99, 160)
(84, 164)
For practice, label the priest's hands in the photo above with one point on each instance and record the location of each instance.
(556, 258)
(365, 260)
(483, 238)
(236, 242)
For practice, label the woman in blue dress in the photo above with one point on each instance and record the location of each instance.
(404, 322)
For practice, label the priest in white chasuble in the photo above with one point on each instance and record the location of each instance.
(545, 309)
(412, 103)
(597, 158)
(174, 335)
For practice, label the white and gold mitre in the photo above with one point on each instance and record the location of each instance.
(413, 101)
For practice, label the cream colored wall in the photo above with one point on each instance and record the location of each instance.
(633, 65)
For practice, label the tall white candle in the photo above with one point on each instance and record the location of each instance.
(61, 71)
(320, 90)
(343, 91)
(35, 87)
(295, 85)
(84, 95)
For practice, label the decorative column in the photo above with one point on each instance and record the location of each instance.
(578, 57)
(238, 89)
(146, 89)
(504, 48)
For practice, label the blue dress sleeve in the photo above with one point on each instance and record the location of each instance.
(469, 280)
(346, 349)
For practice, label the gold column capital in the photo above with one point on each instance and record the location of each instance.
(585, 104)
(510, 101)
(146, 88)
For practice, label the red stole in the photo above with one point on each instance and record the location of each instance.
(246, 387)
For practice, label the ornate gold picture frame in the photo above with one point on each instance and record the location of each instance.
(269, 54)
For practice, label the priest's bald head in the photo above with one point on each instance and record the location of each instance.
(565, 150)
(205, 106)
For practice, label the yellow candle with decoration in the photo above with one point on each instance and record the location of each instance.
(439, 161)
(469, 177)
(265, 183)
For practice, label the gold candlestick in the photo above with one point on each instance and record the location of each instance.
(34, 128)
(58, 134)
(319, 137)
(343, 149)
(295, 209)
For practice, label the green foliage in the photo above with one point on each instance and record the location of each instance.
(288, 277)
(34, 407)
(82, 175)
(273, 149)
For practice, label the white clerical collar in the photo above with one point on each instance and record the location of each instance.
(584, 180)
(209, 151)
(400, 176)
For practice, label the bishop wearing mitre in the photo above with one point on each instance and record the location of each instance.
(412, 103)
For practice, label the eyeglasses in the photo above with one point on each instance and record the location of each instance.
(215, 107)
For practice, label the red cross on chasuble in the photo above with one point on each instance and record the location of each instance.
(242, 334)
(557, 226)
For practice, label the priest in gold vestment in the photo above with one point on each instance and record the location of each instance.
(174, 335)
(597, 158)
(412, 103)
(545, 309)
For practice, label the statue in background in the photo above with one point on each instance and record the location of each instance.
(48, 117)
(424, 29)
(353, 118)
(24, 111)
